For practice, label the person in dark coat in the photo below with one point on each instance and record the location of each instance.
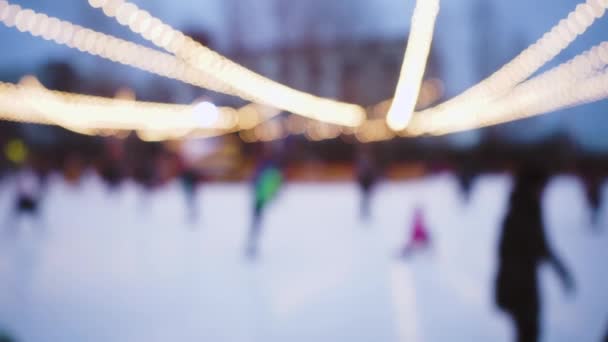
(466, 175)
(111, 168)
(523, 247)
(189, 180)
(593, 192)
(27, 197)
(367, 177)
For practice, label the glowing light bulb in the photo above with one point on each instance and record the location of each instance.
(110, 7)
(205, 114)
(9, 15)
(125, 13)
(25, 20)
(3, 5)
(414, 64)
(141, 22)
(67, 30)
(97, 3)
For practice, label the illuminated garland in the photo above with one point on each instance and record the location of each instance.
(497, 99)
(414, 64)
(525, 64)
(245, 83)
(30, 102)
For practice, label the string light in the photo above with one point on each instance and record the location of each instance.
(414, 64)
(135, 55)
(527, 62)
(105, 46)
(31, 102)
(540, 91)
(243, 82)
(500, 98)
(524, 104)
(430, 92)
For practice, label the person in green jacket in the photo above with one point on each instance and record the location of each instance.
(266, 184)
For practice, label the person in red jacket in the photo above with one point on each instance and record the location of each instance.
(419, 238)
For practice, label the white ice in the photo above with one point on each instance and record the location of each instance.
(127, 266)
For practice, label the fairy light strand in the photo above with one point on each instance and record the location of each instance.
(246, 83)
(414, 64)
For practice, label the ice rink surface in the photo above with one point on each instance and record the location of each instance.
(127, 265)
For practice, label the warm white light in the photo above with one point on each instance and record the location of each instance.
(235, 79)
(205, 114)
(52, 25)
(25, 20)
(67, 30)
(97, 3)
(125, 13)
(141, 22)
(3, 6)
(36, 29)
(414, 64)
(110, 7)
(9, 15)
(521, 67)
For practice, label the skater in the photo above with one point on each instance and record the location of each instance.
(593, 191)
(27, 196)
(111, 168)
(466, 177)
(419, 238)
(266, 185)
(522, 248)
(189, 181)
(112, 174)
(146, 174)
(366, 178)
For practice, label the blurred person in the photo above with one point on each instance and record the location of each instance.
(111, 165)
(27, 195)
(111, 173)
(522, 248)
(145, 173)
(189, 178)
(367, 177)
(419, 238)
(73, 168)
(267, 182)
(593, 191)
(43, 171)
(466, 177)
